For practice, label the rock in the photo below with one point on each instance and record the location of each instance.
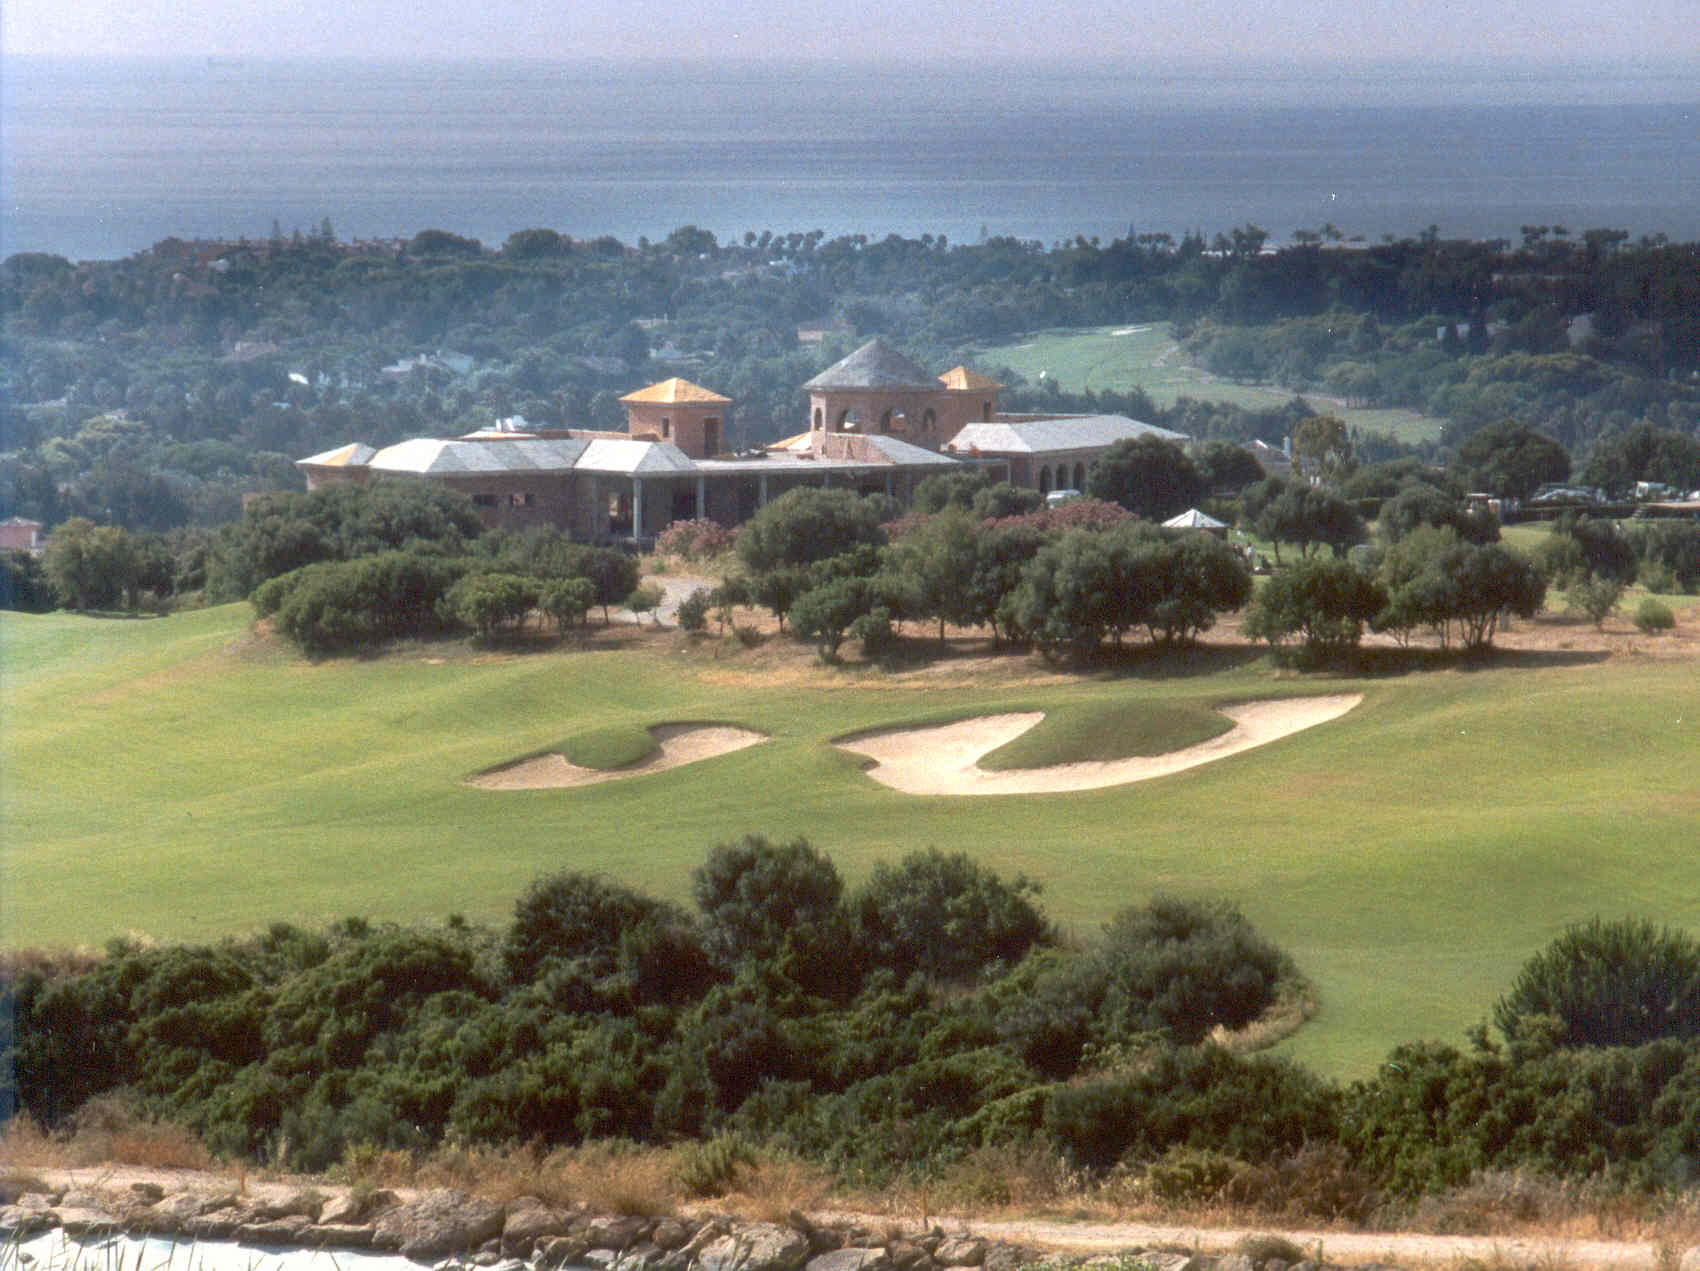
(963, 1251)
(339, 1235)
(617, 1232)
(760, 1247)
(706, 1234)
(81, 1198)
(20, 1220)
(1236, 1262)
(602, 1259)
(1690, 1260)
(171, 1213)
(671, 1234)
(559, 1251)
(277, 1231)
(147, 1193)
(77, 1220)
(906, 1255)
(530, 1220)
(439, 1222)
(36, 1202)
(851, 1259)
(799, 1221)
(641, 1258)
(1002, 1257)
(12, 1189)
(1165, 1261)
(215, 1226)
(825, 1240)
(1275, 1264)
(344, 1208)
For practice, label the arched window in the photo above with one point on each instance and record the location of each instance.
(928, 419)
(885, 422)
(843, 418)
(1079, 476)
(1044, 480)
(985, 412)
(666, 428)
(820, 419)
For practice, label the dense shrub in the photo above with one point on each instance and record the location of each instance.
(340, 605)
(1654, 615)
(485, 602)
(1669, 551)
(946, 917)
(1609, 984)
(754, 895)
(570, 916)
(1326, 602)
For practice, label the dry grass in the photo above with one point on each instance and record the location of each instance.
(104, 1131)
(774, 1185)
(1295, 1005)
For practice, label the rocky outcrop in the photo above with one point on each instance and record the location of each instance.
(457, 1232)
(437, 1224)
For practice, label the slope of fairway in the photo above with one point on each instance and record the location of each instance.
(180, 779)
(1144, 356)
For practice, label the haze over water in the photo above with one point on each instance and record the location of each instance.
(100, 158)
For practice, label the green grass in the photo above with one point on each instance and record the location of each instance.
(609, 748)
(1120, 359)
(1117, 729)
(178, 779)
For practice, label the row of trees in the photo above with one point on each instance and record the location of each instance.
(1064, 579)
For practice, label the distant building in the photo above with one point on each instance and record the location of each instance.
(19, 534)
(877, 423)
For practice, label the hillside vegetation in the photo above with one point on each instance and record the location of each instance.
(183, 778)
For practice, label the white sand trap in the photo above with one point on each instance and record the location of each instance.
(679, 744)
(946, 759)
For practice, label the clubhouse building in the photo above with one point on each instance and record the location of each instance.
(877, 423)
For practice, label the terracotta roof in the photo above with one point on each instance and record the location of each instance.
(875, 365)
(960, 379)
(675, 392)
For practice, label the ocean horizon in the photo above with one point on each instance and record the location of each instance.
(100, 158)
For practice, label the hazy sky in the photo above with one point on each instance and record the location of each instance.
(911, 30)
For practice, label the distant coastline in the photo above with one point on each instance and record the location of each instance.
(103, 157)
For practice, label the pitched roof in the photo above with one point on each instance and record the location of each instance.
(1050, 436)
(961, 379)
(430, 456)
(1193, 519)
(676, 392)
(875, 365)
(354, 455)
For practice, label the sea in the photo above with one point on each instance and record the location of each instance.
(100, 158)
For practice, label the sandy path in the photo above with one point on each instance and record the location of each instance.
(680, 744)
(945, 759)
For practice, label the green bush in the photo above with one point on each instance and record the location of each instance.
(340, 605)
(567, 600)
(1617, 983)
(1654, 615)
(946, 917)
(485, 602)
(694, 610)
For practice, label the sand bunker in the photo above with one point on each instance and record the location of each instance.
(679, 744)
(945, 760)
